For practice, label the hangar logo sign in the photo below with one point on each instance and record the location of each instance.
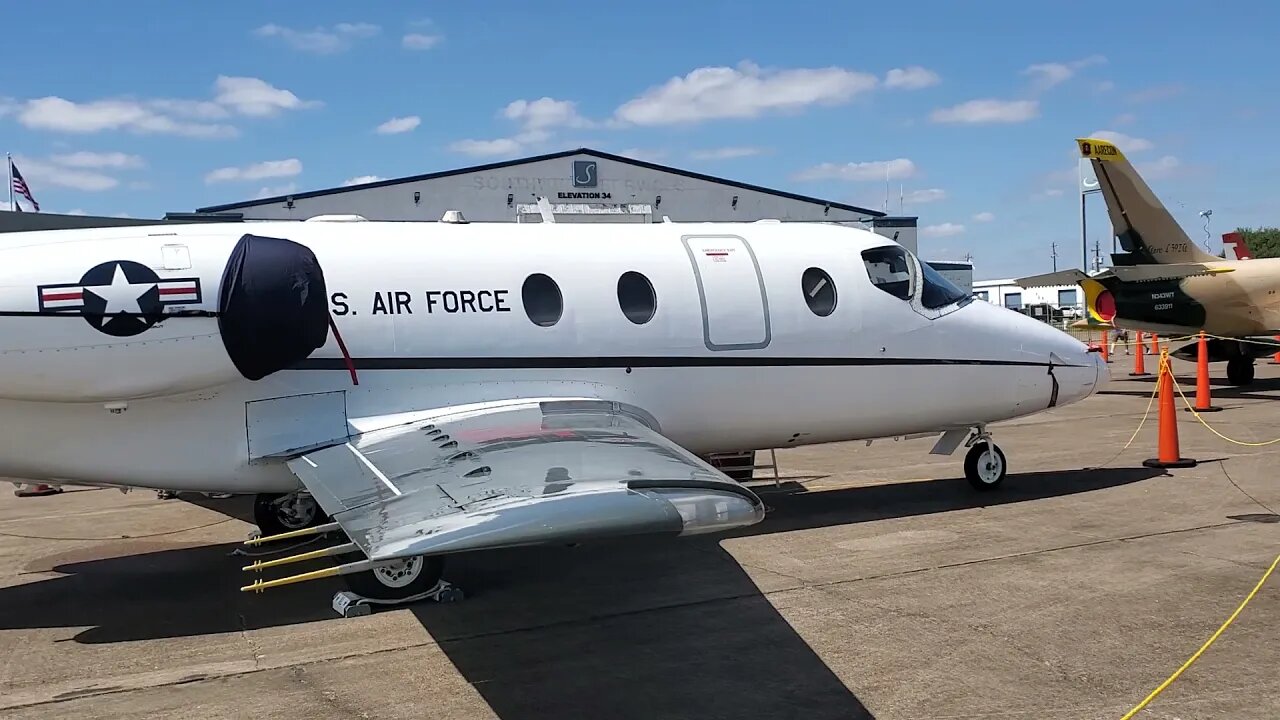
(584, 174)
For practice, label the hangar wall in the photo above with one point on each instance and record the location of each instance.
(493, 193)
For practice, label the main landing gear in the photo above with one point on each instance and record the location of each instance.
(1240, 370)
(276, 513)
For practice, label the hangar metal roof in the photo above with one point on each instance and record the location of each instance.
(539, 158)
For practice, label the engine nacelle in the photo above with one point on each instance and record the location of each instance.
(1148, 304)
(85, 318)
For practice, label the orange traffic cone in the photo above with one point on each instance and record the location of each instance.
(1155, 345)
(1204, 403)
(1169, 455)
(1139, 369)
(1106, 347)
(1275, 359)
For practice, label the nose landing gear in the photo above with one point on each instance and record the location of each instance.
(984, 464)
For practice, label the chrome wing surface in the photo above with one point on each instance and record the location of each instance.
(541, 471)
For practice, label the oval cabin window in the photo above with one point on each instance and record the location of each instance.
(819, 291)
(542, 300)
(636, 297)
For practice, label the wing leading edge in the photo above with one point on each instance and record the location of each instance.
(543, 471)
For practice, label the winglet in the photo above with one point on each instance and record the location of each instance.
(1100, 149)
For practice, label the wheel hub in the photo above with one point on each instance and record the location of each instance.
(297, 511)
(989, 466)
(400, 572)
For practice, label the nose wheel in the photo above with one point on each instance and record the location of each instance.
(984, 465)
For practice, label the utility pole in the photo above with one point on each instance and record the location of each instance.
(1097, 255)
(1053, 252)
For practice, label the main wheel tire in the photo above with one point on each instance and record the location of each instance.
(985, 469)
(398, 579)
(1240, 371)
(273, 513)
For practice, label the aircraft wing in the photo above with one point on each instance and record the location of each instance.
(1061, 277)
(1123, 273)
(1149, 273)
(518, 473)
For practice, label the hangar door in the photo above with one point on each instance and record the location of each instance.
(735, 312)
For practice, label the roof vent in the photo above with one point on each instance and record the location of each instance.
(337, 218)
(455, 217)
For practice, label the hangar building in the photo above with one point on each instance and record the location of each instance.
(580, 185)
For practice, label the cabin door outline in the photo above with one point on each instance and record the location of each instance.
(735, 306)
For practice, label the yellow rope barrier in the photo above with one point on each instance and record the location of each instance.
(1222, 628)
(1209, 427)
(1203, 647)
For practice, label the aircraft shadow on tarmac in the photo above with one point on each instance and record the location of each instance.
(646, 627)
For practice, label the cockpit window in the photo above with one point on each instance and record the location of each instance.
(938, 291)
(890, 269)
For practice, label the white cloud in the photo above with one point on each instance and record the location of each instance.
(984, 217)
(76, 211)
(418, 41)
(920, 197)
(257, 171)
(275, 191)
(988, 111)
(643, 154)
(1157, 92)
(872, 170)
(61, 115)
(727, 153)
(1166, 166)
(746, 91)
(544, 113)
(361, 180)
(537, 118)
(98, 160)
(911, 78)
(40, 173)
(320, 40)
(1124, 119)
(398, 125)
(500, 146)
(257, 98)
(942, 230)
(1046, 75)
(187, 118)
(1126, 143)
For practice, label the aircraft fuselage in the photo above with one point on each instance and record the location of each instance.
(739, 345)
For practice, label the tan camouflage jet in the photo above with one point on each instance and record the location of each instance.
(1164, 283)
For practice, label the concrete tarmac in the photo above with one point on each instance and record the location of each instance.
(880, 586)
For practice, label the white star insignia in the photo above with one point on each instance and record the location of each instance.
(121, 295)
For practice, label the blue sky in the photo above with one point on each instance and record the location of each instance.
(133, 108)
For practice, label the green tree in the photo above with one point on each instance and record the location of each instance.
(1263, 242)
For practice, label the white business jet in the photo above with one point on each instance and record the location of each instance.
(435, 388)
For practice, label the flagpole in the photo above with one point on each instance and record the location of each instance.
(9, 161)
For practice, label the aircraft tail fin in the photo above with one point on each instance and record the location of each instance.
(1238, 245)
(1141, 222)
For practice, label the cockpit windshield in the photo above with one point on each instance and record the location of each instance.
(890, 269)
(939, 291)
(893, 269)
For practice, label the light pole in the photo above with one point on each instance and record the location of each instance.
(1088, 184)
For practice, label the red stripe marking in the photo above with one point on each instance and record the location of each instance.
(51, 296)
(188, 290)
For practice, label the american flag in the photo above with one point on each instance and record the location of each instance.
(20, 186)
